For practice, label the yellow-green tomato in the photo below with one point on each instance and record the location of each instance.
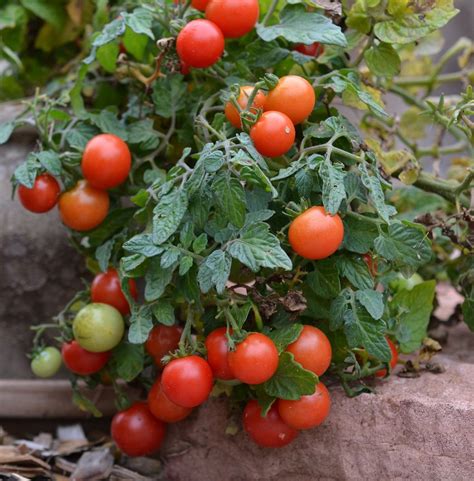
(98, 327)
(46, 363)
(401, 283)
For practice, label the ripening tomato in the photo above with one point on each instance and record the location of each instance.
(254, 360)
(312, 350)
(161, 341)
(83, 207)
(106, 288)
(371, 264)
(273, 134)
(234, 17)
(46, 363)
(200, 4)
(42, 197)
(308, 411)
(164, 409)
(269, 431)
(393, 360)
(82, 362)
(232, 113)
(217, 354)
(106, 161)
(293, 96)
(315, 234)
(200, 44)
(98, 327)
(136, 431)
(312, 50)
(187, 381)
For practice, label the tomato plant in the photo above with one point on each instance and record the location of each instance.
(82, 362)
(237, 161)
(42, 197)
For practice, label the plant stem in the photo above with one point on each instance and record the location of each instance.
(270, 11)
(426, 80)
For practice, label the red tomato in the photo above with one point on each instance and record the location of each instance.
(200, 4)
(164, 409)
(106, 289)
(185, 68)
(312, 350)
(293, 96)
(217, 354)
(254, 360)
(42, 197)
(187, 381)
(273, 134)
(312, 50)
(308, 411)
(371, 264)
(106, 161)
(234, 17)
(83, 207)
(315, 234)
(161, 341)
(200, 44)
(269, 431)
(232, 113)
(136, 431)
(393, 360)
(82, 362)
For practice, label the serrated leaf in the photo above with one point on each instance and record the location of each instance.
(129, 263)
(214, 271)
(185, 264)
(212, 160)
(334, 192)
(169, 95)
(127, 361)
(359, 235)
(285, 335)
(324, 280)
(168, 214)
(200, 243)
(355, 271)
(140, 21)
(25, 174)
(230, 197)
(85, 404)
(157, 279)
(143, 244)
(140, 324)
(290, 381)
(163, 311)
(338, 309)
(107, 56)
(372, 301)
(383, 60)
(170, 257)
(6, 130)
(109, 123)
(50, 161)
(103, 253)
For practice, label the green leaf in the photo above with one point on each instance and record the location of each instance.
(359, 234)
(143, 244)
(200, 243)
(383, 60)
(264, 400)
(6, 130)
(50, 11)
(135, 43)
(129, 263)
(140, 324)
(214, 271)
(109, 123)
(164, 312)
(324, 280)
(412, 309)
(157, 279)
(230, 197)
(338, 309)
(404, 244)
(468, 312)
(212, 160)
(290, 381)
(241, 313)
(170, 257)
(110, 32)
(127, 361)
(25, 173)
(355, 271)
(107, 56)
(114, 222)
(363, 331)
(331, 126)
(168, 214)
(103, 253)
(372, 301)
(50, 161)
(285, 335)
(334, 192)
(257, 248)
(299, 26)
(140, 21)
(185, 264)
(85, 404)
(169, 95)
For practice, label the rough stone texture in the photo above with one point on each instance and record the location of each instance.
(39, 271)
(412, 429)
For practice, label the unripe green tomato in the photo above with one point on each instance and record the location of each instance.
(47, 362)
(400, 283)
(98, 327)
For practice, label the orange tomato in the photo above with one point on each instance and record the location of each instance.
(393, 360)
(273, 134)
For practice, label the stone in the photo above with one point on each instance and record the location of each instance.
(411, 429)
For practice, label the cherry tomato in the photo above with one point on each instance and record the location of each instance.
(161, 341)
(136, 431)
(393, 360)
(232, 113)
(200, 44)
(315, 234)
(234, 17)
(106, 288)
(308, 411)
(269, 431)
(200, 4)
(254, 360)
(312, 350)
(217, 354)
(46, 363)
(312, 50)
(98, 327)
(83, 362)
(83, 207)
(185, 68)
(106, 161)
(164, 409)
(371, 264)
(293, 96)
(273, 134)
(187, 381)
(42, 197)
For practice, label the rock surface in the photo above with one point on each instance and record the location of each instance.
(412, 429)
